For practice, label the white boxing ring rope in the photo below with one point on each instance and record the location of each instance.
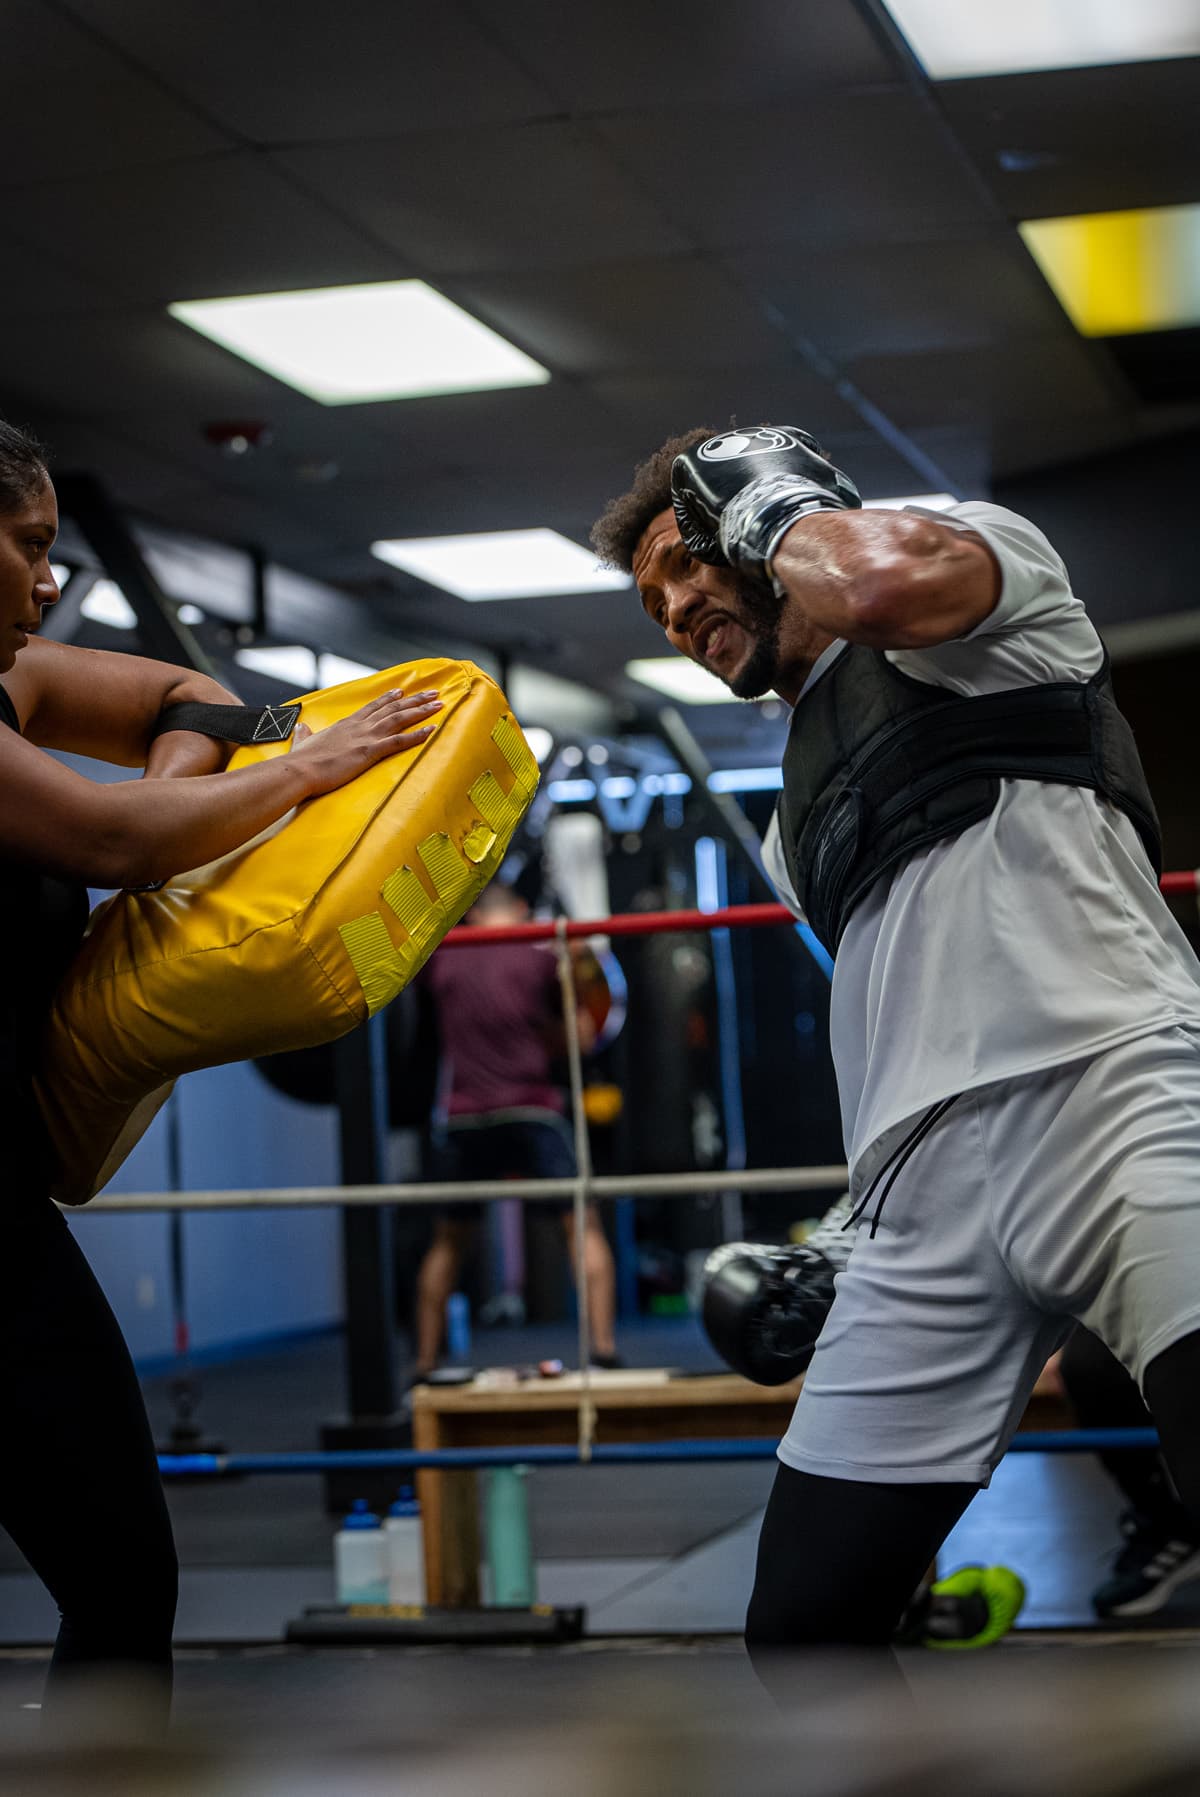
(606, 1185)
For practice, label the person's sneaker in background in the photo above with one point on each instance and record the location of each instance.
(1158, 1556)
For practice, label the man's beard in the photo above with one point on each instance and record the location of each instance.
(761, 612)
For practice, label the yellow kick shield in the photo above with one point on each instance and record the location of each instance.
(293, 939)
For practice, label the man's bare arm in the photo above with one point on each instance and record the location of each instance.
(889, 580)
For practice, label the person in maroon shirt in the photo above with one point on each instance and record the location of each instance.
(500, 1016)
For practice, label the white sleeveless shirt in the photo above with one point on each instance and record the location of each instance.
(1039, 935)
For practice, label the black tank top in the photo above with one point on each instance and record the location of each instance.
(42, 918)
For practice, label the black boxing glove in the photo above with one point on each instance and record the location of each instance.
(764, 1307)
(737, 495)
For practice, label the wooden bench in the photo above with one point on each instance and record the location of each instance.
(499, 1410)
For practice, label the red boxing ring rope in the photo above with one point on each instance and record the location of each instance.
(649, 923)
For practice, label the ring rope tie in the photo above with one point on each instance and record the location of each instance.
(581, 1196)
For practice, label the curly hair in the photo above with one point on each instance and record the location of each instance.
(23, 470)
(615, 533)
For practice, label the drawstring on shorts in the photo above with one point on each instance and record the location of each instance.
(897, 1161)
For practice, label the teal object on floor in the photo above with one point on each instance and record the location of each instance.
(506, 1532)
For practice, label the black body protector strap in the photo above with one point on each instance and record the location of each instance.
(230, 723)
(878, 766)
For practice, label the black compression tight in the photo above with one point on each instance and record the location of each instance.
(838, 1561)
(1104, 1396)
(79, 1487)
(1172, 1389)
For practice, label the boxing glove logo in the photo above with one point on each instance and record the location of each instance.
(765, 439)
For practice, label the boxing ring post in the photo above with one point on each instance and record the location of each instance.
(368, 1272)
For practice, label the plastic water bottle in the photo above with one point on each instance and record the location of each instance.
(458, 1327)
(405, 1558)
(513, 1576)
(359, 1559)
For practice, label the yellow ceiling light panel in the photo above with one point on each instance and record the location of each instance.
(1119, 272)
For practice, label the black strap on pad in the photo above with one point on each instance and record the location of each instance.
(230, 723)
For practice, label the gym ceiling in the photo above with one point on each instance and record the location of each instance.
(686, 212)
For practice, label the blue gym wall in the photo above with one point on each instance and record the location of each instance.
(250, 1275)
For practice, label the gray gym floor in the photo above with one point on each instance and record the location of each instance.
(629, 1718)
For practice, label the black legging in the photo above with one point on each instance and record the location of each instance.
(79, 1487)
(839, 1560)
(1104, 1396)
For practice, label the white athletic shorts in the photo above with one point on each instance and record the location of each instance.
(1067, 1194)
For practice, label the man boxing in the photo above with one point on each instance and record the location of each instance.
(1015, 1017)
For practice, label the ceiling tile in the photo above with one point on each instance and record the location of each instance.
(879, 470)
(72, 107)
(541, 196)
(223, 225)
(40, 283)
(861, 168)
(1083, 140)
(630, 55)
(457, 429)
(891, 299)
(1025, 387)
(274, 72)
(662, 406)
(667, 314)
(115, 363)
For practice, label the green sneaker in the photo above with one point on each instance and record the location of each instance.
(972, 1608)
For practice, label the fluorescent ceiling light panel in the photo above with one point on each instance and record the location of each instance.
(932, 502)
(684, 681)
(107, 604)
(1115, 273)
(571, 792)
(540, 741)
(345, 345)
(335, 670)
(955, 38)
(746, 779)
(292, 663)
(502, 564)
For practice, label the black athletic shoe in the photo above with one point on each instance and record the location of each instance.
(1155, 1560)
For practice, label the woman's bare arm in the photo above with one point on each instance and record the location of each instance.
(135, 832)
(93, 702)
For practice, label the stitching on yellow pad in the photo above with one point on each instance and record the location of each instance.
(502, 810)
(379, 964)
(516, 751)
(455, 881)
(404, 894)
(479, 843)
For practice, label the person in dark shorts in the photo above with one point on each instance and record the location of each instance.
(500, 1016)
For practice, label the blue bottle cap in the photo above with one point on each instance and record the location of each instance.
(361, 1516)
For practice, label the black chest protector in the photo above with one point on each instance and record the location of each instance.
(879, 765)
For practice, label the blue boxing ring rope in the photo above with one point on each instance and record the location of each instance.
(619, 1453)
